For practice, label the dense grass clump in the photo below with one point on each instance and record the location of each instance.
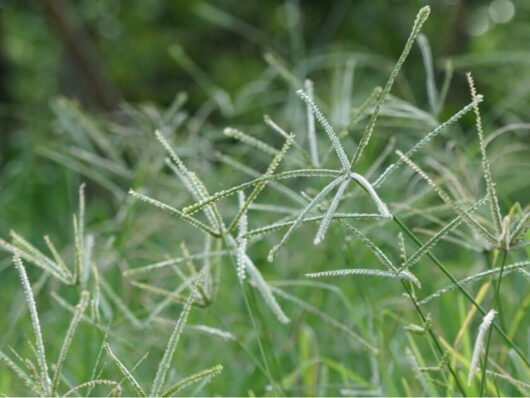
(376, 249)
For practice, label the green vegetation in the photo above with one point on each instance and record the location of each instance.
(334, 223)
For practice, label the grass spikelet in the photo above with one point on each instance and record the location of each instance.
(78, 314)
(431, 135)
(490, 186)
(324, 225)
(367, 272)
(93, 383)
(242, 240)
(311, 135)
(337, 216)
(335, 142)
(479, 344)
(57, 257)
(249, 140)
(476, 277)
(450, 202)
(261, 185)
(35, 323)
(383, 259)
(190, 220)
(439, 236)
(165, 362)
(125, 372)
(422, 16)
(321, 195)
(307, 173)
(193, 379)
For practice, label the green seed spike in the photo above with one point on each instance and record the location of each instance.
(422, 16)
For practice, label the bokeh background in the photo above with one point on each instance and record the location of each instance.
(86, 80)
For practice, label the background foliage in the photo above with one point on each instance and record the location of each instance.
(62, 113)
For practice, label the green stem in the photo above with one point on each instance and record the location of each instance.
(433, 337)
(496, 299)
(463, 290)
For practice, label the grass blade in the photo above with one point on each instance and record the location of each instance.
(422, 16)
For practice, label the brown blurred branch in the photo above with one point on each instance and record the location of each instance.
(82, 53)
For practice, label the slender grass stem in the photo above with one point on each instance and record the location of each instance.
(468, 296)
(434, 338)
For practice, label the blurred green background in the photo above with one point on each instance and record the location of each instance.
(113, 69)
(106, 52)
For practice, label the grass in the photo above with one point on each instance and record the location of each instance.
(383, 273)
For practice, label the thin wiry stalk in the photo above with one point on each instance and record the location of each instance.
(321, 195)
(30, 300)
(190, 220)
(57, 257)
(490, 186)
(467, 295)
(79, 311)
(279, 187)
(476, 277)
(249, 140)
(450, 202)
(383, 259)
(125, 372)
(367, 272)
(421, 143)
(194, 378)
(307, 173)
(34, 260)
(165, 362)
(269, 122)
(359, 112)
(325, 317)
(31, 254)
(261, 185)
(190, 180)
(479, 344)
(174, 261)
(118, 302)
(195, 186)
(335, 142)
(439, 236)
(93, 383)
(311, 135)
(426, 54)
(422, 16)
(337, 216)
(259, 282)
(324, 225)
